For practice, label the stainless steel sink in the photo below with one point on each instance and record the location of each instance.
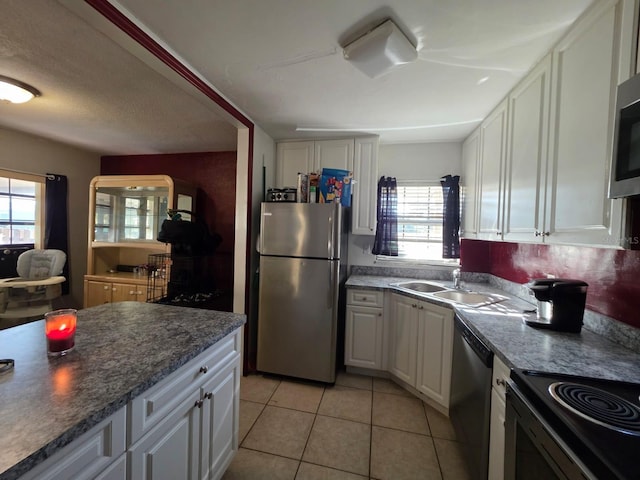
(420, 286)
(472, 299)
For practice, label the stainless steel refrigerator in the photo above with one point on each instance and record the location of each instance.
(302, 271)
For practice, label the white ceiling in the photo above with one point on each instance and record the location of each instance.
(279, 61)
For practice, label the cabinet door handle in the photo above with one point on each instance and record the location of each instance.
(106, 287)
(208, 395)
(501, 382)
(420, 307)
(113, 289)
(132, 292)
(414, 305)
(199, 403)
(204, 369)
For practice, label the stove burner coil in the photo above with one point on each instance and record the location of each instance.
(598, 406)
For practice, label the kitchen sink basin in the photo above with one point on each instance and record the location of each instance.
(472, 299)
(420, 286)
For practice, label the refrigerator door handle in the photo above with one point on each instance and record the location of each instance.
(332, 284)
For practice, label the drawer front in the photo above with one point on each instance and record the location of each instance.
(151, 406)
(366, 298)
(87, 455)
(500, 376)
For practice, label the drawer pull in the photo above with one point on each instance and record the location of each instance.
(204, 369)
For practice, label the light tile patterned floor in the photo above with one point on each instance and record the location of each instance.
(361, 428)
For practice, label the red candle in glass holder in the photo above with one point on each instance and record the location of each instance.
(60, 330)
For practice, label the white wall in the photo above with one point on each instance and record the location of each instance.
(29, 153)
(416, 161)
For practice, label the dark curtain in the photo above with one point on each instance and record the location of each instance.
(56, 221)
(386, 242)
(451, 216)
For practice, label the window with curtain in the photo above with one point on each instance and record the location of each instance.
(420, 217)
(21, 209)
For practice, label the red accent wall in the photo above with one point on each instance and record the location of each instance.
(214, 173)
(613, 275)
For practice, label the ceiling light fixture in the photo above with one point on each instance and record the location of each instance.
(15, 91)
(380, 50)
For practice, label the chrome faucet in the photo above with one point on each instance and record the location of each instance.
(456, 278)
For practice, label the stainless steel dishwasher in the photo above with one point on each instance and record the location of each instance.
(470, 405)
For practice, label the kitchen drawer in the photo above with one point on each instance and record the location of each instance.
(365, 298)
(500, 376)
(87, 455)
(153, 405)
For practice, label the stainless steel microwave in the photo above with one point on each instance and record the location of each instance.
(625, 165)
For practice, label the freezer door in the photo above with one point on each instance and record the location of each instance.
(309, 230)
(297, 317)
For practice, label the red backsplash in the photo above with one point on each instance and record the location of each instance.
(612, 275)
(214, 173)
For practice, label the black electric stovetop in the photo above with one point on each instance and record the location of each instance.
(568, 404)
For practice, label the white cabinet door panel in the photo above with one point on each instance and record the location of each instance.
(469, 183)
(496, 439)
(493, 140)
(171, 449)
(333, 154)
(365, 177)
(435, 345)
(363, 333)
(527, 155)
(580, 211)
(220, 417)
(403, 333)
(293, 158)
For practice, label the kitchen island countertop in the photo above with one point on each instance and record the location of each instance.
(501, 326)
(121, 350)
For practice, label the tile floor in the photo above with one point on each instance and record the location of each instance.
(361, 428)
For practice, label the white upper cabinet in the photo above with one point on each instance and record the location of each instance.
(490, 186)
(359, 155)
(545, 151)
(587, 67)
(365, 192)
(526, 164)
(469, 184)
(333, 154)
(293, 158)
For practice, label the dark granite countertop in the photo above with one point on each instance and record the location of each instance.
(501, 326)
(121, 350)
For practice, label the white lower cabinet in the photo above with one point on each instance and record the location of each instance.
(498, 407)
(420, 344)
(171, 449)
(403, 338)
(185, 427)
(219, 422)
(435, 347)
(364, 325)
(198, 439)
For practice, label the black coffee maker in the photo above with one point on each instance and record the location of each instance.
(561, 303)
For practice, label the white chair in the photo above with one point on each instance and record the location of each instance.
(39, 282)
